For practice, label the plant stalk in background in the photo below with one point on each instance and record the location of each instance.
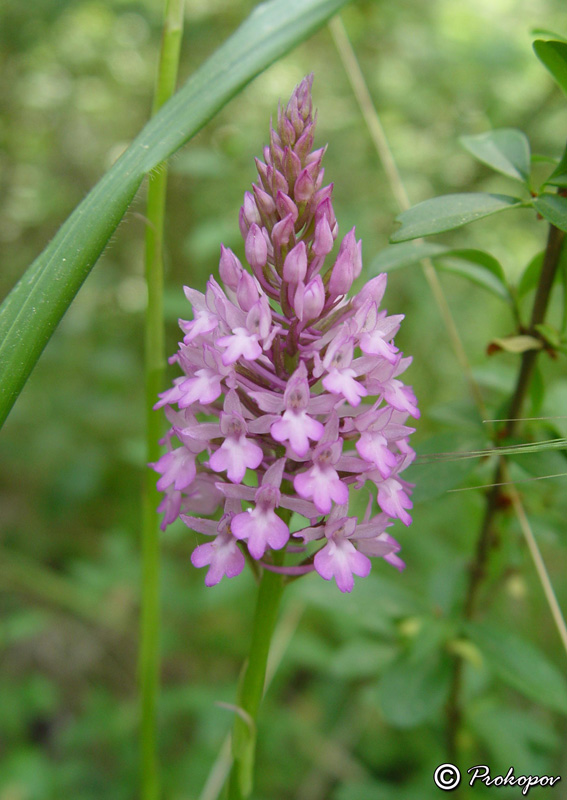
(149, 653)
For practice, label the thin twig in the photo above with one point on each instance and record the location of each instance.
(535, 553)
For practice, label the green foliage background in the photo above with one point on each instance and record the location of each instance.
(355, 711)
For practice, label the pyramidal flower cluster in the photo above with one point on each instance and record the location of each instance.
(290, 399)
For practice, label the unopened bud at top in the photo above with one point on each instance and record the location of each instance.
(283, 231)
(347, 266)
(285, 206)
(309, 299)
(295, 264)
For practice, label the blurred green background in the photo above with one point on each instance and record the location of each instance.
(350, 716)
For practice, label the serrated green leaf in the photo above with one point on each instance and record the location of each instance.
(553, 55)
(33, 309)
(553, 207)
(506, 150)
(450, 211)
(521, 665)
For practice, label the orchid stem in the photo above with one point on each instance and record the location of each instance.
(149, 652)
(252, 684)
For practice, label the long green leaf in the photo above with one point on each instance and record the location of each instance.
(449, 211)
(31, 312)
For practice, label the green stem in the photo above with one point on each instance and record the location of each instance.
(252, 685)
(149, 654)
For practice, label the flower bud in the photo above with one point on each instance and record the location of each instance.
(308, 301)
(264, 201)
(313, 298)
(304, 143)
(263, 174)
(323, 240)
(347, 266)
(316, 157)
(287, 130)
(243, 224)
(246, 293)
(255, 248)
(276, 142)
(282, 231)
(251, 212)
(285, 206)
(304, 100)
(230, 268)
(304, 187)
(278, 182)
(325, 209)
(295, 264)
(292, 165)
(322, 195)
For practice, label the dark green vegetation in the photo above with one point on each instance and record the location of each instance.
(357, 707)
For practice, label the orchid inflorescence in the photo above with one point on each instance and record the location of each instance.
(277, 363)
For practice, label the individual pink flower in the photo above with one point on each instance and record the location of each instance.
(321, 482)
(237, 453)
(177, 469)
(295, 425)
(261, 526)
